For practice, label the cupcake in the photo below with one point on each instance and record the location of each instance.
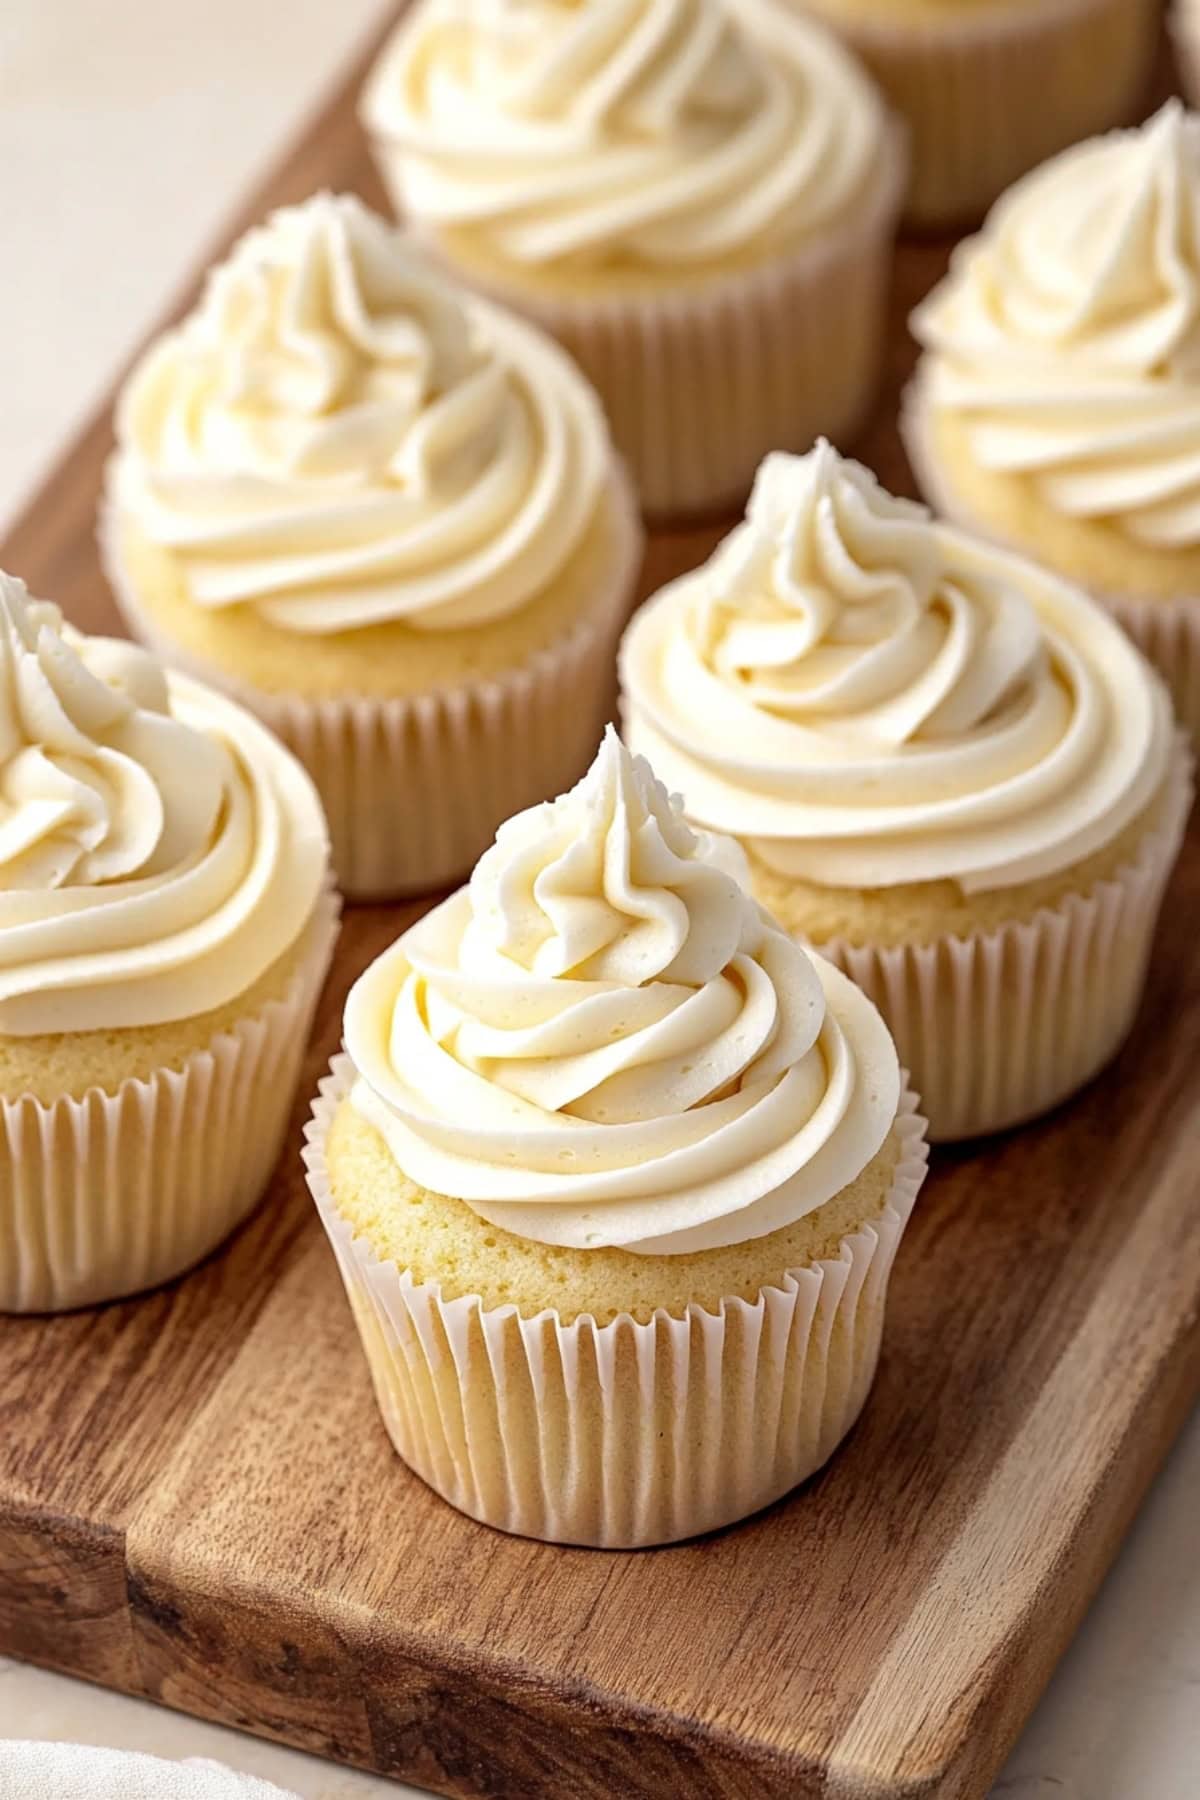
(166, 920)
(615, 1174)
(990, 88)
(704, 224)
(388, 518)
(1057, 405)
(949, 770)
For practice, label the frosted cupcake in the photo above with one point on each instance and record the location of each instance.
(705, 225)
(387, 517)
(950, 771)
(615, 1174)
(1057, 407)
(990, 88)
(165, 925)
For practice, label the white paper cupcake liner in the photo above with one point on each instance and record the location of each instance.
(620, 1435)
(1167, 632)
(990, 92)
(700, 383)
(1000, 1027)
(113, 1193)
(415, 787)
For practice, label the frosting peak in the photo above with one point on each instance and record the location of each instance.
(654, 132)
(869, 698)
(835, 605)
(158, 849)
(603, 1040)
(1067, 334)
(605, 884)
(339, 438)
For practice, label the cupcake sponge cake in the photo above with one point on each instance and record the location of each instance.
(596, 1107)
(1055, 405)
(165, 925)
(388, 518)
(950, 771)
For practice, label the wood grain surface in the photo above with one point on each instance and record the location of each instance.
(198, 1502)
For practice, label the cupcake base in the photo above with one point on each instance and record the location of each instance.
(113, 1192)
(700, 383)
(989, 95)
(1000, 1026)
(624, 1434)
(414, 786)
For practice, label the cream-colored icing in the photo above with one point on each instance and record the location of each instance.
(653, 132)
(870, 698)
(339, 438)
(603, 1040)
(159, 849)
(1066, 337)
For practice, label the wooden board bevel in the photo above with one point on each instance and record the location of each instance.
(198, 1502)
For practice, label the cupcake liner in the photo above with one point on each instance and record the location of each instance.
(989, 96)
(625, 1434)
(414, 787)
(109, 1194)
(1167, 632)
(999, 1027)
(699, 383)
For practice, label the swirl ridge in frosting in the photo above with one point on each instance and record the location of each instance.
(159, 850)
(1066, 337)
(602, 1040)
(339, 439)
(650, 131)
(869, 698)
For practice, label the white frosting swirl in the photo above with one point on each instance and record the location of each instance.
(1066, 337)
(338, 438)
(869, 698)
(653, 132)
(159, 849)
(603, 1040)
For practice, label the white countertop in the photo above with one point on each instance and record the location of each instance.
(126, 131)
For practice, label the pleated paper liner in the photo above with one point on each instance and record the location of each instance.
(999, 1027)
(415, 787)
(701, 382)
(622, 1434)
(988, 92)
(117, 1192)
(1167, 632)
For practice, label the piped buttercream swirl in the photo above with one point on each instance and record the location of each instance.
(340, 439)
(650, 132)
(869, 698)
(602, 1040)
(159, 849)
(1066, 338)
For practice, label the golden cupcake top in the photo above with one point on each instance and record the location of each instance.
(159, 850)
(1065, 340)
(338, 438)
(867, 697)
(603, 1040)
(649, 133)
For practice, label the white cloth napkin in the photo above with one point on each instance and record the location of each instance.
(31, 1771)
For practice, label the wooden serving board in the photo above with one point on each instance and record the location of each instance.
(198, 1502)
